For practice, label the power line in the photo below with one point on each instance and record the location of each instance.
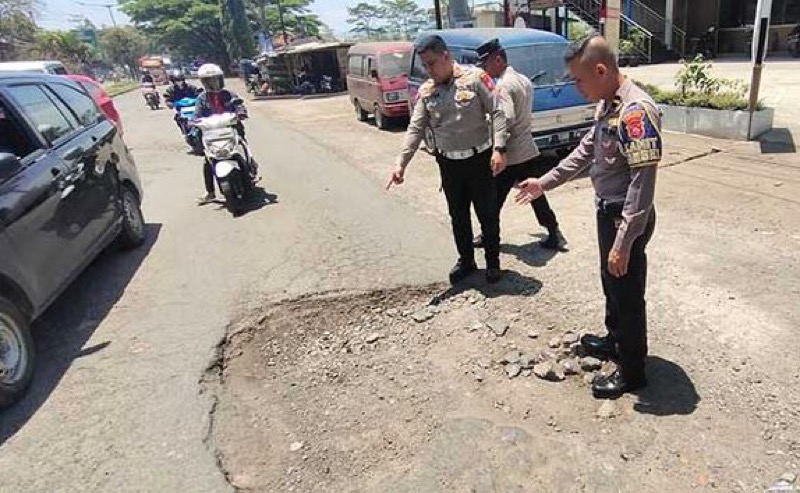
(108, 6)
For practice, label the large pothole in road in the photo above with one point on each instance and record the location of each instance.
(421, 389)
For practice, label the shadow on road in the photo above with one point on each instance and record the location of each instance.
(777, 141)
(532, 254)
(62, 331)
(669, 392)
(512, 284)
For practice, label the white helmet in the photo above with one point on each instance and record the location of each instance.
(211, 77)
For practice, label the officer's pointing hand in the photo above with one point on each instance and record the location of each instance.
(397, 177)
(529, 190)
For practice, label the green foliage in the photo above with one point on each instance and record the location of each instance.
(123, 45)
(65, 46)
(724, 100)
(236, 27)
(297, 17)
(192, 28)
(389, 19)
(366, 19)
(579, 30)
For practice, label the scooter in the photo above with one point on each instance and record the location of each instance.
(230, 158)
(184, 117)
(151, 96)
(326, 84)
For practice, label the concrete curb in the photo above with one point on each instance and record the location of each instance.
(295, 96)
(721, 124)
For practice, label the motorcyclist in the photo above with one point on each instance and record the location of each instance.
(214, 100)
(146, 77)
(179, 89)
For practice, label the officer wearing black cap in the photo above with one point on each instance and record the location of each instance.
(453, 105)
(516, 161)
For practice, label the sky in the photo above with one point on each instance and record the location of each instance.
(56, 14)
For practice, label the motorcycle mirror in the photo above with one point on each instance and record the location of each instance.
(237, 101)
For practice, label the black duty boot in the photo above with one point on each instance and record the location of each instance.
(599, 347)
(616, 384)
(493, 274)
(461, 270)
(553, 240)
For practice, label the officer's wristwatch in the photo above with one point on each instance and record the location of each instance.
(501, 149)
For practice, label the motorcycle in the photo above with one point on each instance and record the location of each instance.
(184, 116)
(326, 84)
(793, 41)
(230, 158)
(151, 96)
(253, 84)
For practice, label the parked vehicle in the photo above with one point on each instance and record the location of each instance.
(793, 41)
(39, 67)
(184, 116)
(230, 158)
(68, 188)
(377, 80)
(151, 95)
(100, 97)
(561, 115)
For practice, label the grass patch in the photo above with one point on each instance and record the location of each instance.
(117, 88)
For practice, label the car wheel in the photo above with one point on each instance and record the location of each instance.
(381, 121)
(133, 232)
(17, 354)
(361, 115)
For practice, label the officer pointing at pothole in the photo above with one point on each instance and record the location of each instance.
(622, 152)
(453, 105)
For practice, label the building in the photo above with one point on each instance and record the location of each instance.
(674, 28)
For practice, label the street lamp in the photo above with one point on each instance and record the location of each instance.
(108, 6)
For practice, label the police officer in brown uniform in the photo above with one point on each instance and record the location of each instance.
(517, 161)
(622, 152)
(454, 104)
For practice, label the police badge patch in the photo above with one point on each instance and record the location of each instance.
(639, 135)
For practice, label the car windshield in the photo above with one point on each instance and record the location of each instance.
(543, 64)
(395, 64)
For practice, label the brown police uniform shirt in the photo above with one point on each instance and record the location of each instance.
(455, 112)
(623, 149)
(514, 98)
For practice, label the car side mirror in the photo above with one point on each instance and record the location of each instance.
(10, 164)
(374, 73)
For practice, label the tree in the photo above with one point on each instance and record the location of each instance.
(17, 29)
(296, 17)
(192, 28)
(8, 7)
(123, 45)
(404, 18)
(65, 46)
(366, 19)
(238, 36)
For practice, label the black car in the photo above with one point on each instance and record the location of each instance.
(68, 188)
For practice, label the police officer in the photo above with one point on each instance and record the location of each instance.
(453, 105)
(622, 151)
(516, 160)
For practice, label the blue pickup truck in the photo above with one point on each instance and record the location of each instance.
(560, 114)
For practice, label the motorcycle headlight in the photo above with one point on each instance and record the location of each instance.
(221, 149)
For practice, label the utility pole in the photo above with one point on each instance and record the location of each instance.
(108, 6)
(438, 8)
(283, 26)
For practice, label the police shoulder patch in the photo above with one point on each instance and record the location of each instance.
(426, 89)
(640, 134)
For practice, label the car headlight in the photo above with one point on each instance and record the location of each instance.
(391, 97)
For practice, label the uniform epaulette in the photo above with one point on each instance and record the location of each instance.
(426, 89)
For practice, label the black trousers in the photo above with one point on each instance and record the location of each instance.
(626, 317)
(513, 174)
(468, 183)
